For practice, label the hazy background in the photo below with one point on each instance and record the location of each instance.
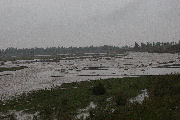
(45, 23)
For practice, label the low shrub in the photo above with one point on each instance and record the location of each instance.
(99, 89)
(120, 98)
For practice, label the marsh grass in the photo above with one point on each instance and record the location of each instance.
(12, 68)
(63, 104)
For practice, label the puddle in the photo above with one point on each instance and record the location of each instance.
(140, 98)
(84, 113)
(169, 66)
(20, 115)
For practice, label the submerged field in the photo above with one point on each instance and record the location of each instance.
(139, 98)
(41, 75)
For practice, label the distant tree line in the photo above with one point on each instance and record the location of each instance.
(59, 50)
(158, 47)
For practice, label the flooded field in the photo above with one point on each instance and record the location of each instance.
(40, 75)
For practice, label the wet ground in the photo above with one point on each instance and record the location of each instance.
(41, 75)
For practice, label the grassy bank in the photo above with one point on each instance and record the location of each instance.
(11, 68)
(111, 97)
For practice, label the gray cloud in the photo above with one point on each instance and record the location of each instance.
(42, 23)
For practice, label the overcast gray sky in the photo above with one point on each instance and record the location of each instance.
(45, 23)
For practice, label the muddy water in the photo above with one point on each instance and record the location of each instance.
(46, 75)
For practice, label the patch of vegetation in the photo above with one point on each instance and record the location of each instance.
(111, 96)
(99, 89)
(12, 68)
(120, 98)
